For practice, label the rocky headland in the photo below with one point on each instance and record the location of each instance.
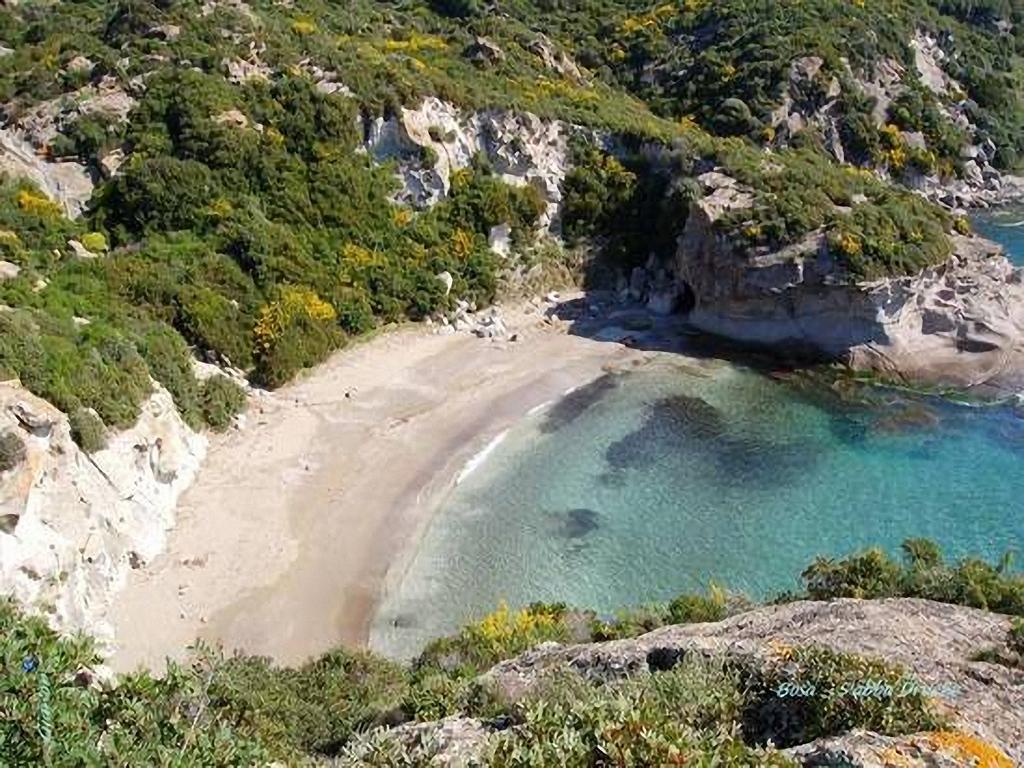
(959, 324)
(937, 646)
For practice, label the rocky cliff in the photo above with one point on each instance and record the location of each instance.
(72, 524)
(434, 140)
(960, 323)
(935, 644)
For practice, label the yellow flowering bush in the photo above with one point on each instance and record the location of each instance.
(37, 204)
(304, 27)
(506, 632)
(461, 243)
(95, 242)
(295, 331)
(295, 302)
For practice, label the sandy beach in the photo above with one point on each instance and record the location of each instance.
(299, 519)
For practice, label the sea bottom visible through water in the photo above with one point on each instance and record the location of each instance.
(643, 485)
(646, 484)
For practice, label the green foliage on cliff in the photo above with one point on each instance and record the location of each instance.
(235, 711)
(247, 207)
(874, 574)
(12, 450)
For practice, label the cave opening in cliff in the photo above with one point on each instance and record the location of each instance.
(687, 298)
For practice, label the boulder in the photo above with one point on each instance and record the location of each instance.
(79, 251)
(484, 52)
(34, 421)
(9, 270)
(447, 280)
(556, 60)
(111, 162)
(67, 183)
(664, 300)
(972, 173)
(638, 283)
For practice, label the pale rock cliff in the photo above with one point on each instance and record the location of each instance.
(431, 142)
(71, 524)
(960, 323)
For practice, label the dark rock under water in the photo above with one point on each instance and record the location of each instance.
(579, 522)
(577, 403)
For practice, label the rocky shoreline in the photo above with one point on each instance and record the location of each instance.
(937, 645)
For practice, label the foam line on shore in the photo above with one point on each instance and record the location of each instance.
(475, 462)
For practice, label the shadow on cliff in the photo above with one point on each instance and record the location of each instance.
(605, 316)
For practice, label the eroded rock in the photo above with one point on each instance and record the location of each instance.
(76, 522)
(960, 323)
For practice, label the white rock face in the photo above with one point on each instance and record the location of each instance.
(927, 60)
(522, 149)
(67, 183)
(78, 523)
(960, 323)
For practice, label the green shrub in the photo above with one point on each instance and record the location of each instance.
(499, 635)
(12, 450)
(221, 400)
(683, 716)
(159, 194)
(170, 362)
(693, 609)
(310, 710)
(1015, 637)
(55, 712)
(873, 574)
(293, 332)
(809, 692)
(87, 430)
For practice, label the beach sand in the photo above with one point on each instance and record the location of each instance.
(300, 519)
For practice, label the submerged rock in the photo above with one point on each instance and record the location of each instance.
(580, 522)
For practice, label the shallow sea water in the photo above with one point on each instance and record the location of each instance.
(643, 485)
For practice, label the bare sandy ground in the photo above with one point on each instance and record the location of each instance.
(284, 544)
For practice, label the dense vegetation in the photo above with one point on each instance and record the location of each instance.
(248, 227)
(244, 710)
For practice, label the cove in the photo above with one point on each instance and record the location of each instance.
(643, 485)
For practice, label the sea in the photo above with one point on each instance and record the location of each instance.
(671, 478)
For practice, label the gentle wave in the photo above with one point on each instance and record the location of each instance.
(479, 458)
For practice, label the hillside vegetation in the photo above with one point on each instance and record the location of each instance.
(247, 226)
(217, 711)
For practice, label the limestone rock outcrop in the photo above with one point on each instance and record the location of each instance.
(935, 643)
(436, 139)
(960, 323)
(68, 183)
(79, 522)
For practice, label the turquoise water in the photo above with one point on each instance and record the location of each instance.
(644, 485)
(1007, 227)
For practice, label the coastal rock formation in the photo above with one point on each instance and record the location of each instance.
(67, 183)
(960, 323)
(76, 523)
(935, 643)
(436, 139)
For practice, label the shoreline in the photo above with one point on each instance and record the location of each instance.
(302, 521)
